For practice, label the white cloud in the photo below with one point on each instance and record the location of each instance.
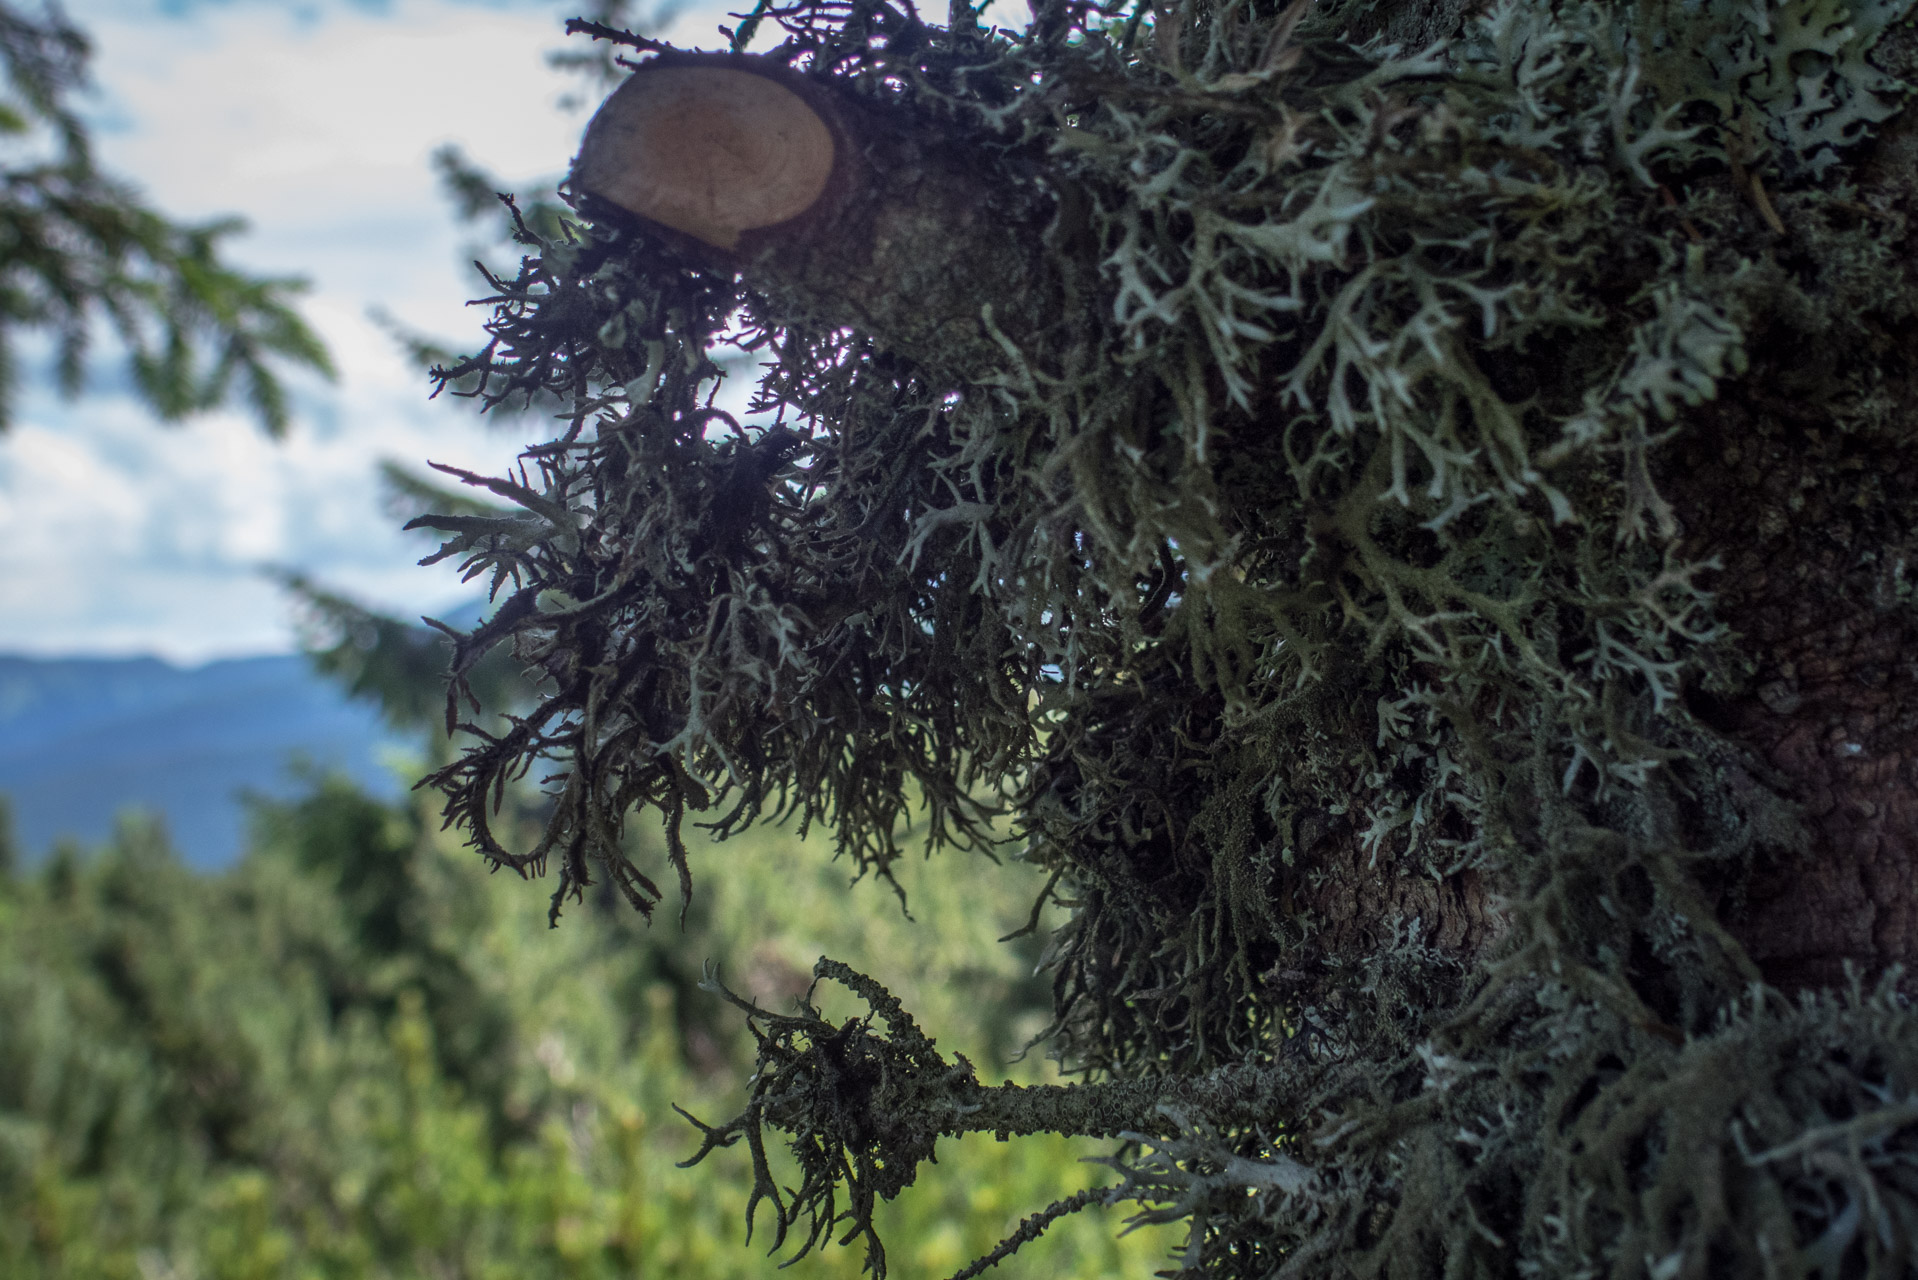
(315, 121)
(316, 124)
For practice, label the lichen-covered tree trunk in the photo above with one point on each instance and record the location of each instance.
(1801, 486)
(1407, 511)
(1805, 529)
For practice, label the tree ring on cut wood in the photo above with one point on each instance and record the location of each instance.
(709, 151)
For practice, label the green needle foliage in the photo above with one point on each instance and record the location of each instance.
(78, 248)
(1325, 504)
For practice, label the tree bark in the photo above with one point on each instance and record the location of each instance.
(1817, 532)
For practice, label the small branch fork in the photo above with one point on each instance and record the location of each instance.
(864, 1109)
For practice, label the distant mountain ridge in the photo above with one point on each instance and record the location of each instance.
(84, 739)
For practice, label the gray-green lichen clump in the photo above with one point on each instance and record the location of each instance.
(1303, 589)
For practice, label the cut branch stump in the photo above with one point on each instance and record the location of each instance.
(844, 212)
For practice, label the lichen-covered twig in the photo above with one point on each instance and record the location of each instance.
(861, 1108)
(1031, 1227)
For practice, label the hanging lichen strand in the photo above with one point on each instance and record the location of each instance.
(1292, 567)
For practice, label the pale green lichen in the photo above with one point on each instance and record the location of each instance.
(1337, 519)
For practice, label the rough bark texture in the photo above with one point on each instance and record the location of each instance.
(1806, 525)
(1354, 897)
(929, 232)
(1817, 533)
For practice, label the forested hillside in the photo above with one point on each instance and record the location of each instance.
(82, 739)
(354, 1055)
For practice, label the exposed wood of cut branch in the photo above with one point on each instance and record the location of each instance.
(708, 150)
(843, 211)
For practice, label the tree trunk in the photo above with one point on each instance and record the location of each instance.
(1422, 537)
(936, 248)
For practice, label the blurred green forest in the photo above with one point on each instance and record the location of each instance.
(354, 1054)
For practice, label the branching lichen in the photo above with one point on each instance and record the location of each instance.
(1305, 592)
(862, 1109)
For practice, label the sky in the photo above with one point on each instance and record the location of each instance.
(315, 121)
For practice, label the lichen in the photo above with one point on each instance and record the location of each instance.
(1335, 524)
